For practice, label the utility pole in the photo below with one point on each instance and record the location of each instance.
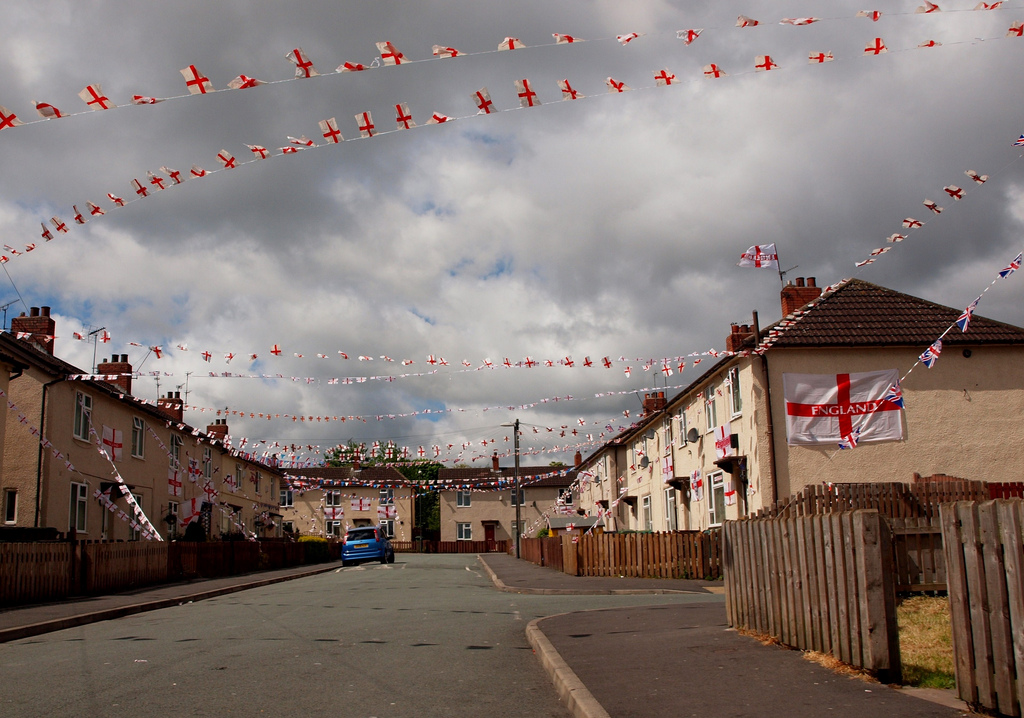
(519, 502)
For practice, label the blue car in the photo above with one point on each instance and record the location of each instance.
(366, 543)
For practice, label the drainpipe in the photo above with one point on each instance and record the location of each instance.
(39, 456)
(768, 402)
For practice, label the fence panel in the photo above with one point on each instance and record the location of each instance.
(35, 572)
(827, 584)
(675, 554)
(984, 553)
(112, 567)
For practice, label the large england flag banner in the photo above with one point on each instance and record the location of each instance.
(825, 408)
(760, 256)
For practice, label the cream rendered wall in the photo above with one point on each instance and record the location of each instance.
(307, 511)
(20, 448)
(495, 506)
(964, 417)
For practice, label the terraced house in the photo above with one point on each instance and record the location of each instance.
(740, 437)
(52, 468)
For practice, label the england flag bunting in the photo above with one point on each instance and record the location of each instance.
(827, 408)
(763, 256)
(696, 485)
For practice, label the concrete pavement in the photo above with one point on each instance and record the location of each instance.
(684, 660)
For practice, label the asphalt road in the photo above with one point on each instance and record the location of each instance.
(426, 636)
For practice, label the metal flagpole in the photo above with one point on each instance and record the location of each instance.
(519, 521)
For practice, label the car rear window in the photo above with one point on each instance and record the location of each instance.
(361, 535)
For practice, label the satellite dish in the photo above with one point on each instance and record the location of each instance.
(644, 462)
(692, 435)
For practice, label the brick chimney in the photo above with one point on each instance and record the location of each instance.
(495, 464)
(118, 366)
(172, 406)
(218, 429)
(40, 325)
(796, 296)
(577, 460)
(741, 334)
(655, 401)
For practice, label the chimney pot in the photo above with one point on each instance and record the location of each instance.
(45, 311)
(495, 464)
(794, 297)
(33, 312)
(577, 459)
(799, 281)
(810, 282)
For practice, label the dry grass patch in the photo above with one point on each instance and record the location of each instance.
(836, 666)
(926, 642)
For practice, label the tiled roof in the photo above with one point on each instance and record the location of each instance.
(860, 313)
(472, 475)
(374, 474)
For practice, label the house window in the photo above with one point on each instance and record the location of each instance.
(76, 515)
(175, 456)
(257, 479)
(648, 520)
(671, 515)
(668, 433)
(83, 415)
(464, 532)
(522, 497)
(716, 503)
(239, 476)
(135, 534)
(565, 496)
(332, 498)
(10, 506)
(389, 528)
(287, 499)
(172, 512)
(334, 528)
(138, 437)
(288, 527)
(463, 499)
(709, 408)
(207, 462)
(682, 426)
(387, 496)
(734, 391)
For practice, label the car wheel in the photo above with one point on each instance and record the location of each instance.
(346, 564)
(391, 557)
(384, 557)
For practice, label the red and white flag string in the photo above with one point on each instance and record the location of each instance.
(197, 84)
(367, 129)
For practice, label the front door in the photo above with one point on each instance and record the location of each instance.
(489, 536)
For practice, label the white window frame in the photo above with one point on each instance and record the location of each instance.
(682, 426)
(671, 510)
(332, 497)
(387, 496)
(83, 415)
(78, 507)
(287, 498)
(565, 495)
(735, 398)
(207, 462)
(288, 527)
(522, 497)
(463, 499)
(10, 506)
(463, 531)
(389, 527)
(646, 515)
(333, 528)
(138, 438)
(716, 484)
(239, 477)
(174, 456)
(710, 408)
(259, 481)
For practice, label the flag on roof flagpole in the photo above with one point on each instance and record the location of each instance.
(762, 256)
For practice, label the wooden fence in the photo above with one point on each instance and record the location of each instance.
(673, 554)
(985, 561)
(500, 546)
(918, 561)
(822, 583)
(891, 499)
(51, 571)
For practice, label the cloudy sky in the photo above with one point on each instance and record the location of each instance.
(607, 226)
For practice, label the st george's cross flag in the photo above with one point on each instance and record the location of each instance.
(761, 256)
(362, 504)
(828, 408)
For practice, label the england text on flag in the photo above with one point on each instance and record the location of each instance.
(828, 408)
(761, 256)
